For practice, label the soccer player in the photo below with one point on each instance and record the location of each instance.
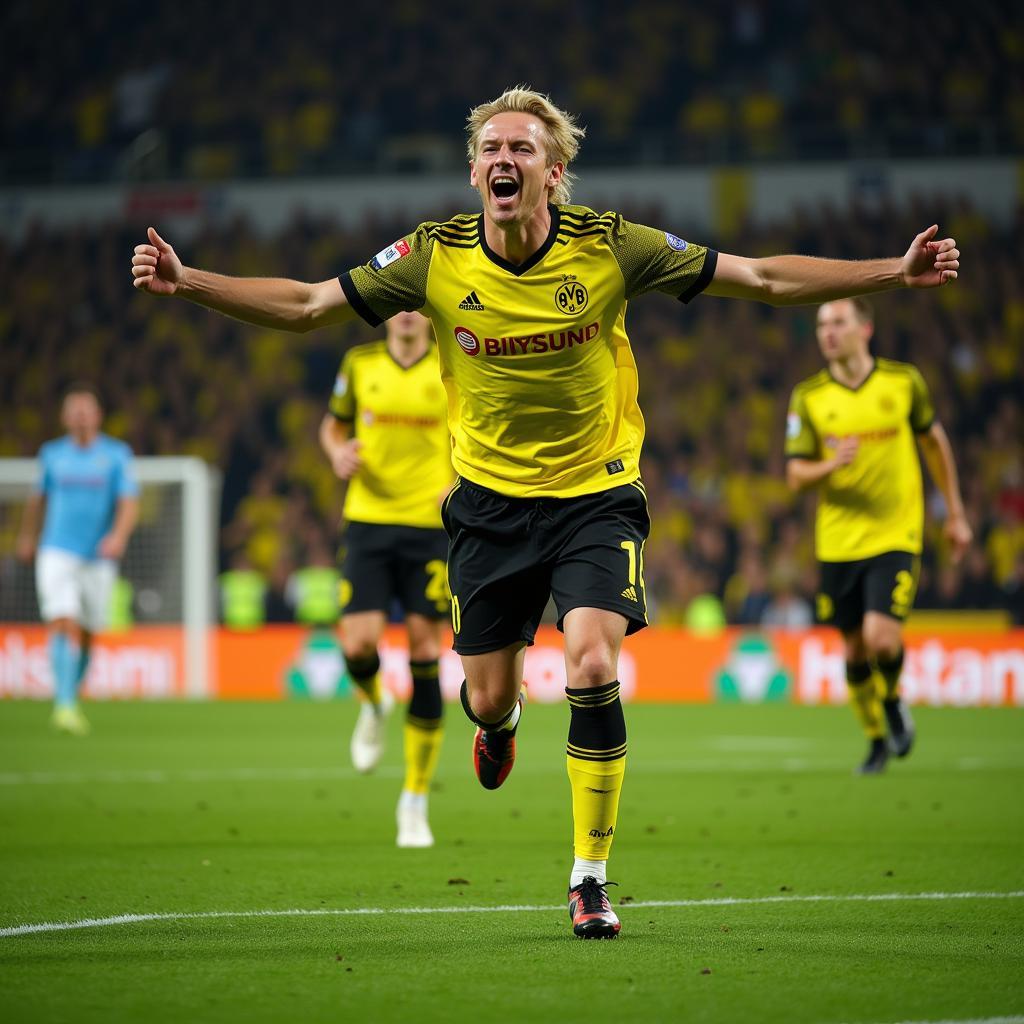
(850, 433)
(528, 301)
(386, 433)
(87, 488)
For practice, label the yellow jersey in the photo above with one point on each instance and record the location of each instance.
(540, 378)
(876, 503)
(399, 415)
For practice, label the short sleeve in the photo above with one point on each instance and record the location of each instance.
(394, 281)
(342, 403)
(127, 482)
(801, 437)
(922, 411)
(658, 261)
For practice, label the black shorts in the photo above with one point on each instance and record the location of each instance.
(382, 564)
(885, 583)
(508, 555)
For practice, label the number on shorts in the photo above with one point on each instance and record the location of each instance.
(635, 569)
(436, 589)
(456, 615)
(903, 593)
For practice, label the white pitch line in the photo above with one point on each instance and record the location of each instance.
(720, 901)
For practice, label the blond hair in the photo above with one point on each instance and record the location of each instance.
(562, 132)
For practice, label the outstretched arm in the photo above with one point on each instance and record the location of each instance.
(795, 280)
(265, 301)
(938, 455)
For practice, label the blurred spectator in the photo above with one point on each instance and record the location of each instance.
(313, 590)
(787, 609)
(790, 79)
(243, 595)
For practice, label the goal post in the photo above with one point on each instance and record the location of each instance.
(170, 566)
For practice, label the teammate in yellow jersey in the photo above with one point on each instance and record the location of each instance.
(850, 432)
(386, 434)
(528, 301)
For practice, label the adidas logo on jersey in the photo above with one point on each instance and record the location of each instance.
(472, 302)
(629, 593)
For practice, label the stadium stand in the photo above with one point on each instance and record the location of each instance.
(715, 380)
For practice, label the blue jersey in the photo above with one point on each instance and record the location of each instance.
(82, 487)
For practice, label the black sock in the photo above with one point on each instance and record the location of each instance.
(890, 672)
(425, 706)
(597, 726)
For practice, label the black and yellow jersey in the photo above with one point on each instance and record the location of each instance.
(541, 382)
(399, 415)
(876, 503)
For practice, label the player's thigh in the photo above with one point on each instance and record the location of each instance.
(420, 572)
(840, 598)
(57, 585)
(366, 568)
(498, 579)
(593, 639)
(890, 589)
(599, 556)
(96, 585)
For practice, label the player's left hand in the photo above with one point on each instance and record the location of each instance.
(111, 546)
(959, 534)
(930, 263)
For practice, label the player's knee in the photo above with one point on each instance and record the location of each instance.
(882, 640)
(593, 665)
(486, 705)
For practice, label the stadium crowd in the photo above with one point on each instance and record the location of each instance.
(715, 380)
(656, 81)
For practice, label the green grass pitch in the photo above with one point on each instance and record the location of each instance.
(179, 809)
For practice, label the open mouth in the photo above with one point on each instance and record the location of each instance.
(504, 187)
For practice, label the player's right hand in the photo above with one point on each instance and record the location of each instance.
(156, 267)
(346, 461)
(847, 451)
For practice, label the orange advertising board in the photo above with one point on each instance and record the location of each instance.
(957, 668)
(145, 662)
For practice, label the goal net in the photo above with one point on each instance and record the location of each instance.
(163, 607)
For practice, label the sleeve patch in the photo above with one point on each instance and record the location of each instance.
(793, 426)
(675, 242)
(340, 385)
(389, 255)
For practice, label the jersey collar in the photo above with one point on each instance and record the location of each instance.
(521, 268)
(415, 362)
(871, 373)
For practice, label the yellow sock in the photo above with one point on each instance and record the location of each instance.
(596, 786)
(422, 747)
(371, 688)
(867, 706)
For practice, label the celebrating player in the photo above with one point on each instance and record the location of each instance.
(528, 302)
(87, 487)
(386, 433)
(850, 432)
